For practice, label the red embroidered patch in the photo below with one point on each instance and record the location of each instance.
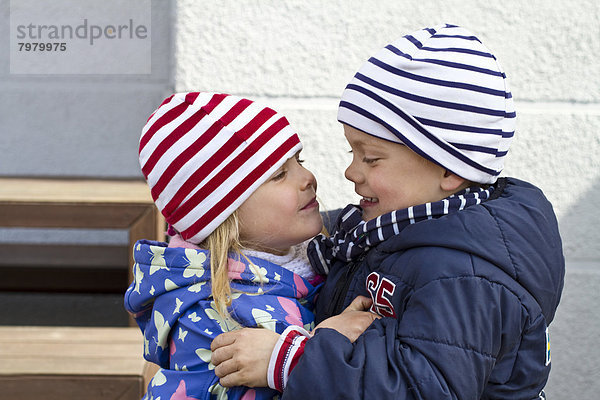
(381, 290)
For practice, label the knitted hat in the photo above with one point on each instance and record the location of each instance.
(440, 92)
(204, 154)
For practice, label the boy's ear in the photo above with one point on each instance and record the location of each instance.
(451, 182)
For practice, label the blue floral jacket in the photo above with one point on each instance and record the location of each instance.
(171, 301)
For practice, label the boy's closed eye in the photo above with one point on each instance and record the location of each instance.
(367, 160)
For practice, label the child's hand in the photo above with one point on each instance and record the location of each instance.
(353, 321)
(241, 357)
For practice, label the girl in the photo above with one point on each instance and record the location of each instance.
(226, 174)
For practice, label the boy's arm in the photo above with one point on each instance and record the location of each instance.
(255, 357)
(444, 347)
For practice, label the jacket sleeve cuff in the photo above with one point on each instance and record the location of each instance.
(288, 350)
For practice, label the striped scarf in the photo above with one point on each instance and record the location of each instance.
(353, 236)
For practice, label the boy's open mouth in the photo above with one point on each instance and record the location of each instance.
(369, 201)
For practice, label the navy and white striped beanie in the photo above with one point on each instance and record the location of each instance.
(442, 93)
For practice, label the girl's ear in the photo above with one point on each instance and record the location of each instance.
(452, 183)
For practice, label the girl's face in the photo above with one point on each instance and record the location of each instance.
(283, 211)
(390, 176)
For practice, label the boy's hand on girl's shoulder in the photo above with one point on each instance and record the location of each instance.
(353, 321)
(241, 357)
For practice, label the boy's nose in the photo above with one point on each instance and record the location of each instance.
(352, 173)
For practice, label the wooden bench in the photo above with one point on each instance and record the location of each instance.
(72, 363)
(83, 204)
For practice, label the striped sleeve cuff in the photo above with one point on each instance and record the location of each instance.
(285, 356)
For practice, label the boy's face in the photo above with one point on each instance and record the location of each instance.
(283, 211)
(390, 176)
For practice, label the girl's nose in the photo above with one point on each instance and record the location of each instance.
(309, 180)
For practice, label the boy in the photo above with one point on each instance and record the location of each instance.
(465, 268)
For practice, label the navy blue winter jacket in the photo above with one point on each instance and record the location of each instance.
(471, 294)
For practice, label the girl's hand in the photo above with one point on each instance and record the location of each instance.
(353, 321)
(241, 357)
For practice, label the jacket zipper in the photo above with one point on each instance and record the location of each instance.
(342, 285)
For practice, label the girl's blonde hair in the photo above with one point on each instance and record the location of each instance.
(221, 243)
(225, 242)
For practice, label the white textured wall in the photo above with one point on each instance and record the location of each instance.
(299, 55)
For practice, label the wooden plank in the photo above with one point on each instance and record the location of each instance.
(64, 268)
(70, 215)
(74, 191)
(28, 387)
(62, 309)
(148, 224)
(71, 351)
(27, 334)
(63, 255)
(64, 279)
(64, 365)
(143, 228)
(72, 363)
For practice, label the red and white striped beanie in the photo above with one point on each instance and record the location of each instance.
(442, 93)
(204, 154)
